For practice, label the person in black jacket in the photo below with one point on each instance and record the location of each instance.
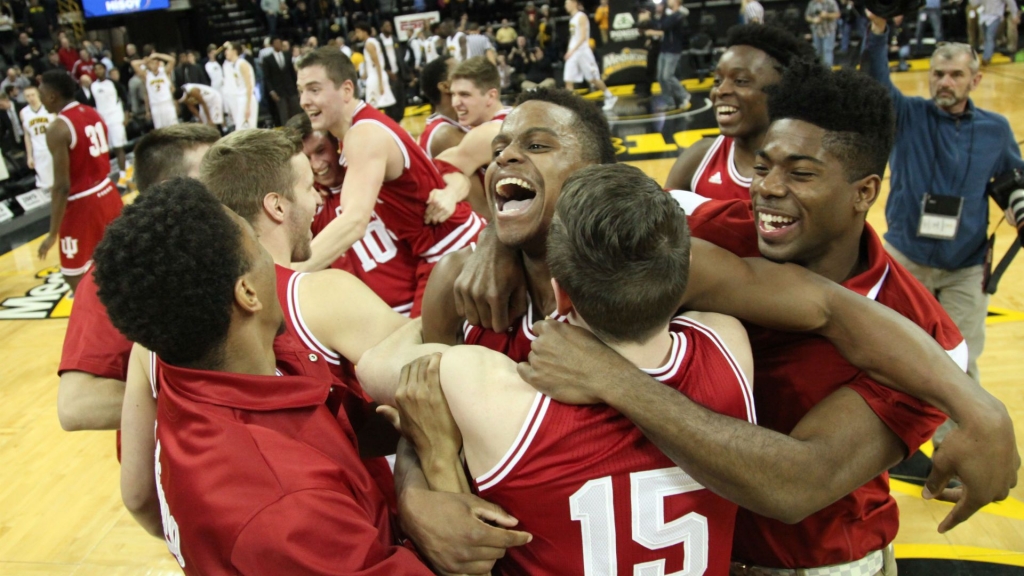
(280, 80)
(671, 28)
(84, 92)
(26, 52)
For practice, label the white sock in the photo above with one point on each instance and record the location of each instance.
(608, 93)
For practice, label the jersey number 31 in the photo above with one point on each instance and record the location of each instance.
(592, 506)
(97, 135)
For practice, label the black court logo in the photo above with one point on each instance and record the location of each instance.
(46, 300)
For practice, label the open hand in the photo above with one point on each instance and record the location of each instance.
(48, 243)
(491, 289)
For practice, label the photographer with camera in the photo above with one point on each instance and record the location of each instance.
(946, 152)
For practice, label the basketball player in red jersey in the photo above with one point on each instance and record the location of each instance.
(476, 97)
(722, 167)
(619, 256)
(387, 172)
(255, 475)
(540, 146)
(84, 200)
(94, 361)
(816, 493)
(442, 130)
(387, 265)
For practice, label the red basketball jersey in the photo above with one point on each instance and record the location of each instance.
(435, 121)
(89, 156)
(91, 343)
(514, 342)
(717, 176)
(402, 202)
(599, 498)
(380, 259)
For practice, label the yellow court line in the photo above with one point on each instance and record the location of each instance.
(954, 552)
(1005, 315)
(1009, 508)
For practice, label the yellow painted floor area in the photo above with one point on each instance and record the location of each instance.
(60, 507)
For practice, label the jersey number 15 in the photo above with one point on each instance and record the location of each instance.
(592, 506)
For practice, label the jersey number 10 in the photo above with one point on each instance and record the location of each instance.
(97, 135)
(592, 506)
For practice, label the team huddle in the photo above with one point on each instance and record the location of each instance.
(497, 349)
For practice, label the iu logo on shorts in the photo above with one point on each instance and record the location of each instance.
(69, 246)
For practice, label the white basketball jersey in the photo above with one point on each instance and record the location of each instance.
(108, 103)
(158, 87)
(578, 26)
(231, 84)
(454, 47)
(216, 74)
(371, 69)
(35, 123)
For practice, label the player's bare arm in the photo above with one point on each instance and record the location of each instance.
(680, 177)
(138, 417)
(472, 153)
(332, 319)
(442, 201)
(441, 321)
(28, 151)
(475, 532)
(58, 140)
(88, 402)
(373, 157)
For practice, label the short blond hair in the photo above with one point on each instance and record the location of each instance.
(246, 165)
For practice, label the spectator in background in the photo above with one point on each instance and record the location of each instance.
(671, 28)
(546, 30)
(11, 131)
(84, 93)
(540, 73)
(28, 75)
(130, 53)
(506, 36)
(344, 49)
(505, 73)
(107, 60)
(822, 16)
(519, 56)
(601, 17)
(137, 97)
(38, 19)
(16, 79)
(189, 71)
(280, 82)
(26, 52)
(67, 53)
(394, 65)
(991, 19)
(852, 20)
(529, 21)
(477, 44)
(52, 62)
(84, 64)
(272, 9)
(752, 12)
(932, 14)
(91, 48)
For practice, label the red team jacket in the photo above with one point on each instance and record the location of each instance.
(716, 176)
(794, 372)
(256, 476)
(91, 343)
(599, 498)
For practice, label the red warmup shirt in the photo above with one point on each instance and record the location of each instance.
(256, 476)
(717, 176)
(91, 343)
(68, 57)
(384, 263)
(794, 372)
(599, 498)
(435, 121)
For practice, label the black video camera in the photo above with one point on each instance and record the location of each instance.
(889, 9)
(1007, 190)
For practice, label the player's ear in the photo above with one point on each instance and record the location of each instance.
(867, 191)
(563, 304)
(273, 207)
(246, 297)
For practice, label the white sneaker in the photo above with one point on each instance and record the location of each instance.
(609, 103)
